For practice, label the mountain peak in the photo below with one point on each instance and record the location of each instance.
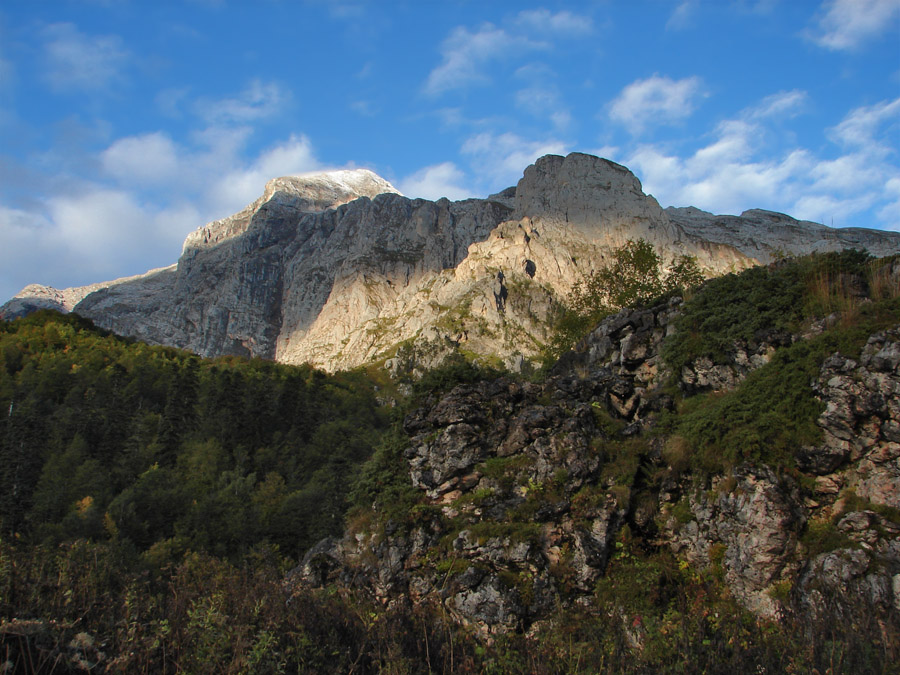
(342, 184)
(291, 195)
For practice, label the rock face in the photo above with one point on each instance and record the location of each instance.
(756, 525)
(35, 296)
(525, 488)
(766, 235)
(338, 269)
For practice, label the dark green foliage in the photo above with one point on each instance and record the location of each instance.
(760, 304)
(383, 484)
(107, 438)
(772, 413)
(454, 370)
(633, 277)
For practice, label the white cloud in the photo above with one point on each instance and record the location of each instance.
(434, 182)
(259, 100)
(888, 213)
(681, 15)
(92, 236)
(655, 101)
(720, 178)
(23, 250)
(79, 62)
(18, 224)
(849, 24)
(730, 173)
(784, 104)
(211, 172)
(466, 54)
(499, 159)
(846, 173)
(870, 127)
(149, 158)
(830, 210)
(105, 225)
(563, 22)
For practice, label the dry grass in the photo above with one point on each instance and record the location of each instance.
(677, 453)
(834, 293)
(884, 278)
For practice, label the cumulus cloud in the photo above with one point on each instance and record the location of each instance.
(849, 24)
(498, 159)
(99, 234)
(654, 101)
(731, 173)
(870, 127)
(105, 225)
(78, 62)
(149, 158)
(434, 182)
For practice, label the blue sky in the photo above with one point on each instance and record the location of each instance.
(126, 124)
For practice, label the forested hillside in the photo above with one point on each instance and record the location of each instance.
(672, 494)
(109, 439)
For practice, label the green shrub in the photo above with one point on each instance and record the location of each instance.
(773, 412)
(633, 277)
(822, 536)
(760, 302)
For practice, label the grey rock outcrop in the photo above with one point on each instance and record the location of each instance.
(766, 235)
(513, 519)
(525, 488)
(752, 532)
(753, 524)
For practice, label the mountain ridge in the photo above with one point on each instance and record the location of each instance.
(340, 269)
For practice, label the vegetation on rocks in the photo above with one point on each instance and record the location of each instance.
(634, 276)
(706, 486)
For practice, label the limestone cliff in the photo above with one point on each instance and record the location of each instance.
(339, 269)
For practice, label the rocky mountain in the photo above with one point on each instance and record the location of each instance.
(708, 483)
(528, 490)
(339, 269)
